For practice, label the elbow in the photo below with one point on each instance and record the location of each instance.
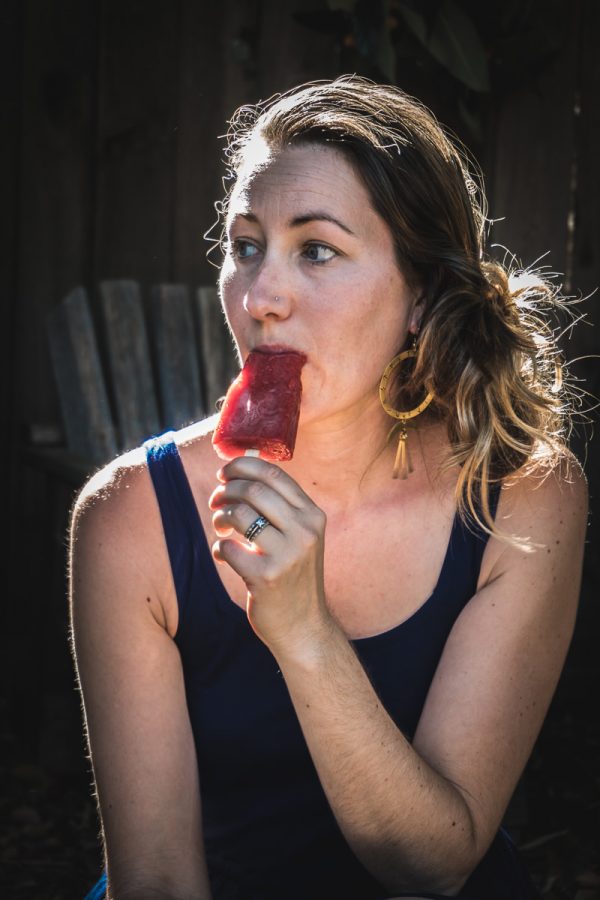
(452, 878)
(434, 859)
(451, 871)
(459, 857)
(447, 881)
(443, 872)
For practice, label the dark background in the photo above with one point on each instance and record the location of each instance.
(110, 164)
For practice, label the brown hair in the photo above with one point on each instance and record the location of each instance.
(486, 351)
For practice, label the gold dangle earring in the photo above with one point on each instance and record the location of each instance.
(402, 464)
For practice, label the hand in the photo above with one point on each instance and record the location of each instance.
(283, 567)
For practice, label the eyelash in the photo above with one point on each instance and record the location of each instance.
(235, 245)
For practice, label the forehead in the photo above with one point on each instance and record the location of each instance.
(300, 177)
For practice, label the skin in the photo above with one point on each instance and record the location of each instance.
(418, 816)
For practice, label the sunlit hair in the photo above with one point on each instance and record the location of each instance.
(487, 347)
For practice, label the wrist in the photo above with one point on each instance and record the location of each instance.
(314, 648)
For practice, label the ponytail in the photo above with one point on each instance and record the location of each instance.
(489, 355)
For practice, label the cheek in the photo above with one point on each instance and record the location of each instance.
(373, 335)
(228, 278)
(378, 315)
(226, 275)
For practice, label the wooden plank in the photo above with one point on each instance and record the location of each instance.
(177, 357)
(586, 208)
(54, 244)
(201, 119)
(218, 356)
(61, 464)
(290, 54)
(14, 652)
(137, 135)
(11, 43)
(585, 341)
(129, 361)
(241, 27)
(531, 185)
(81, 389)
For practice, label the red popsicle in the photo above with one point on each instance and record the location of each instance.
(262, 407)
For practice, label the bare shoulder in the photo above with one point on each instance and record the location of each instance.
(541, 489)
(116, 516)
(123, 487)
(537, 581)
(116, 555)
(544, 509)
(115, 501)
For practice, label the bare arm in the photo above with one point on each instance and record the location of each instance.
(131, 681)
(420, 817)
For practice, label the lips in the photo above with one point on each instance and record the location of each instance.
(275, 349)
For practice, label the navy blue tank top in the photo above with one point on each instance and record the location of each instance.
(268, 829)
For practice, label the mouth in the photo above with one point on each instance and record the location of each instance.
(276, 349)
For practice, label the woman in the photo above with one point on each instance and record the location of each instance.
(342, 707)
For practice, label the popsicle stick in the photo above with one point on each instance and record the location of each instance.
(251, 452)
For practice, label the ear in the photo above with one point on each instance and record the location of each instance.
(416, 315)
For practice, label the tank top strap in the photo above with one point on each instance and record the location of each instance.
(181, 523)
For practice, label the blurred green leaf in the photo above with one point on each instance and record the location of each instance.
(386, 57)
(336, 22)
(347, 5)
(414, 21)
(471, 120)
(456, 45)
(373, 38)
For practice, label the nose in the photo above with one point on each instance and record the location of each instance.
(264, 304)
(269, 294)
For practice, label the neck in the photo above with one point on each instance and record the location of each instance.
(348, 461)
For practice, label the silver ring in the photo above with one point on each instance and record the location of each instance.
(255, 529)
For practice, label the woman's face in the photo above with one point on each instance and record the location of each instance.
(310, 265)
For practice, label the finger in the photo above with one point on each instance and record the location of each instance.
(221, 521)
(239, 517)
(257, 497)
(255, 469)
(246, 563)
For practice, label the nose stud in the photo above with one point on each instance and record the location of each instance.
(277, 299)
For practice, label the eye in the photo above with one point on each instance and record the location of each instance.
(313, 253)
(241, 249)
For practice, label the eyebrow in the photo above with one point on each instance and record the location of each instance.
(313, 216)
